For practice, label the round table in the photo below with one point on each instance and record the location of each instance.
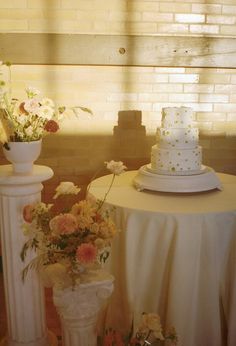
(176, 256)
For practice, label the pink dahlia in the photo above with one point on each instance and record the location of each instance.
(63, 223)
(51, 126)
(86, 253)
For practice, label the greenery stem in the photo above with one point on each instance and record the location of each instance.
(105, 196)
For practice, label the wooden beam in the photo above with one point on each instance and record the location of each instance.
(119, 50)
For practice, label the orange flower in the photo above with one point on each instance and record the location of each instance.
(28, 213)
(22, 109)
(51, 126)
(63, 223)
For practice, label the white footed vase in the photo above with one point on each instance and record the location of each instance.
(22, 155)
(79, 307)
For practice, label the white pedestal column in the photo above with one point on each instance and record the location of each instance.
(25, 306)
(79, 308)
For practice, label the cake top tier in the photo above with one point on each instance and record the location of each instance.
(177, 117)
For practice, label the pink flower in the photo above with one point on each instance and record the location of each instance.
(63, 223)
(86, 253)
(28, 213)
(108, 338)
(51, 126)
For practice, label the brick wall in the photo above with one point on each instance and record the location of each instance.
(83, 144)
(119, 16)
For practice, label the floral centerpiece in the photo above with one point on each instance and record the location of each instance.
(29, 119)
(149, 332)
(70, 239)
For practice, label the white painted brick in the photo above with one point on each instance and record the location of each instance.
(87, 5)
(41, 4)
(214, 78)
(227, 2)
(18, 14)
(8, 25)
(143, 106)
(91, 15)
(222, 88)
(189, 18)
(142, 6)
(124, 16)
(157, 17)
(207, 70)
(153, 97)
(212, 19)
(228, 9)
(179, 7)
(205, 127)
(204, 29)
(131, 87)
(198, 88)
(122, 97)
(228, 30)
(172, 28)
(232, 98)
(219, 127)
(204, 116)
(231, 117)
(183, 97)
(201, 107)
(168, 88)
(214, 98)
(160, 78)
(221, 107)
(106, 26)
(184, 78)
(206, 8)
(133, 27)
(152, 78)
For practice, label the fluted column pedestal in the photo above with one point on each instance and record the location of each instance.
(25, 306)
(79, 308)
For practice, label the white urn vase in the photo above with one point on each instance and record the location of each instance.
(78, 307)
(22, 155)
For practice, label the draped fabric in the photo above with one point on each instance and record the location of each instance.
(175, 255)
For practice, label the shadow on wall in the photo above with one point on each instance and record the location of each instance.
(78, 157)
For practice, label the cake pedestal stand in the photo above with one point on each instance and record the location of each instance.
(25, 306)
(204, 180)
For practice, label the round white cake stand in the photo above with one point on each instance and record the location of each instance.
(205, 180)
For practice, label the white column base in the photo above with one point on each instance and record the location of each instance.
(25, 304)
(78, 308)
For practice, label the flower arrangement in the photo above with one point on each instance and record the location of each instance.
(149, 332)
(69, 242)
(29, 119)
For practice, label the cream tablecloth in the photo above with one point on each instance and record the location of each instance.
(175, 255)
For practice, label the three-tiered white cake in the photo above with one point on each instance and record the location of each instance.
(177, 150)
(176, 158)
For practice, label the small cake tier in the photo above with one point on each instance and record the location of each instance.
(177, 117)
(177, 138)
(176, 160)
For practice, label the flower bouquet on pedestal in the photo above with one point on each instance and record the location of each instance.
(72, 241)
(24, 123)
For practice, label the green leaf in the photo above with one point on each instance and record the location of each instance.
(33, 265)
(84, 109)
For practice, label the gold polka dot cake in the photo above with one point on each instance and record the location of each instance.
(177, 150)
